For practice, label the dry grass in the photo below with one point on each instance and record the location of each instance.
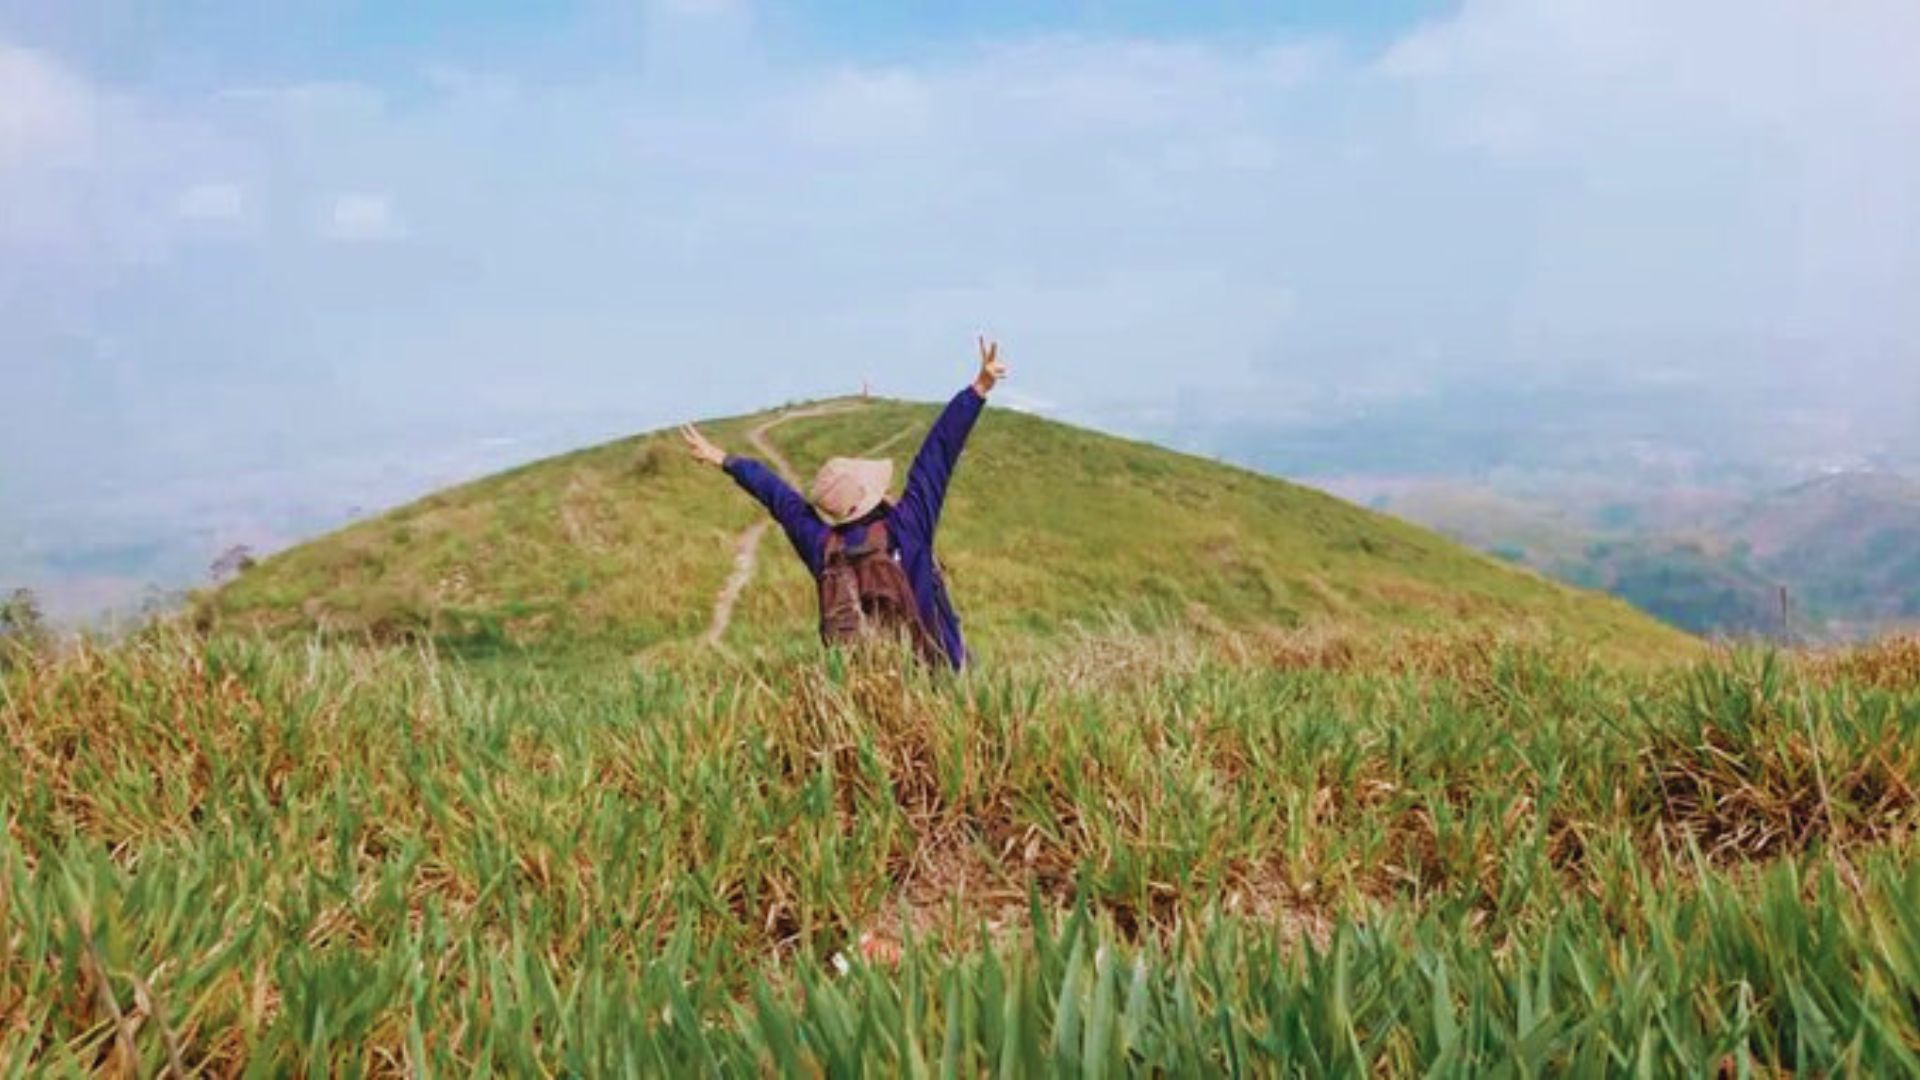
(331, 858)
(1889, 664)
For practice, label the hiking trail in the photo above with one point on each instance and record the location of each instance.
(746, 546)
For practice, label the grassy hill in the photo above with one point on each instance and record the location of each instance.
(1848, 545)
(625, 546)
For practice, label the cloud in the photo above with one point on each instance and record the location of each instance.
(94, 178)
(211, 202)
(1257, 223)
(705, 9)
(1588, 74)
(47, 114)
(361, 217)
(856, 106)
(1687, 182)
(338, 100)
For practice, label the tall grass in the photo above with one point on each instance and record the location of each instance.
(1121, 853)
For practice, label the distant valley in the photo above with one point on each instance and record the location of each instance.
(1832, 558)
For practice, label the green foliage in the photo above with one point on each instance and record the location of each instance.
(1695, 589)
(1179, 851)
(622, 548)
(23, 629)
(20, 615)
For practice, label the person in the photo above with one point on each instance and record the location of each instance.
(871, 556)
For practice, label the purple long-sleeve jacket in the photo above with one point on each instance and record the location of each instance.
(911, 522)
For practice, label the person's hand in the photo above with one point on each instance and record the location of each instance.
(991, 369)
(701, 447)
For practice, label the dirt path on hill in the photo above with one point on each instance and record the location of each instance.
(876, 448)
(745, 552)
(757, 436)
(746, 547)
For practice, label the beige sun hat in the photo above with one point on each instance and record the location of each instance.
(846, 488)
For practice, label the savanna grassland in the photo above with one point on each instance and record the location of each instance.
(1246, 780)
(1184, 852)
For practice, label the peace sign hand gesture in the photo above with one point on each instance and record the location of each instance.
(991, 369)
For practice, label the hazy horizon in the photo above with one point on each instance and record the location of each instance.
(260, 269)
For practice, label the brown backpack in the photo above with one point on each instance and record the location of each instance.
(865, 593)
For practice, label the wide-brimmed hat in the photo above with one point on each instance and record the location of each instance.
(845, 489)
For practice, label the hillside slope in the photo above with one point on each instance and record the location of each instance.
(1844, 548)
(628, 545)
(1695, 581)
(1848, 544)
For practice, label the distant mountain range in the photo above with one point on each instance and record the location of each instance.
(1835, 557)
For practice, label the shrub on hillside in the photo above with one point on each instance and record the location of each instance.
(23, 628)
(652, 457)
(232, 562)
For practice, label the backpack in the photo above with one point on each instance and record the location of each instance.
(863, 590)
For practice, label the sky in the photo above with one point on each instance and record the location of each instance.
(313, 257)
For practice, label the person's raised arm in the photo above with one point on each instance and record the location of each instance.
(926, 491)
(803, 527)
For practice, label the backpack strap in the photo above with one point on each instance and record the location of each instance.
(875, 541)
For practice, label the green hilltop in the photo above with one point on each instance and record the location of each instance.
(625, 547)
